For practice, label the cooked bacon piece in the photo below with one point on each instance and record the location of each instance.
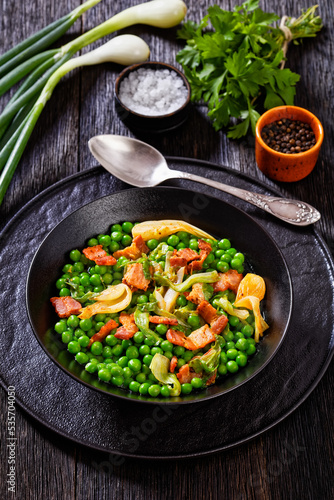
(103, 332)
(207, 311)
(129, 327)
(185, 374)
(135, 278)
(196, 340)
(212, 379)
(181, 257)
(99, 256)
(175, 337)
(196, 296)
(201, 337)
(210, 315)
(157, 320)
(107, 260)
(196, 265)
(228, 281)
(134, 251)
(219, 324)
(173, 364)
(65, 306)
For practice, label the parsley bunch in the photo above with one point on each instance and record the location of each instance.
(235, 66)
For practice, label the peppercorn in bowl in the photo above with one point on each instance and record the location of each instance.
(169, 335)
(287, 143)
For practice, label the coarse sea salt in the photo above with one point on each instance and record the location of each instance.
(153, 92)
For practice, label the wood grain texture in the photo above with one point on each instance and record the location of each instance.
(294, 460)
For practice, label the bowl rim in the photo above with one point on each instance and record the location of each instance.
(177, 399)
(318, 125)
(124, 73)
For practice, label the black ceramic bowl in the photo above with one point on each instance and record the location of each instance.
(147, 123)
(212, 215)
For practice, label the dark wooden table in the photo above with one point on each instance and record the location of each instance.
(293, 460)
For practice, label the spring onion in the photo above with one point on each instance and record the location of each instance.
(54, 65)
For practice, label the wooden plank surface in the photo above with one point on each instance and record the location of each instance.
(295, 459)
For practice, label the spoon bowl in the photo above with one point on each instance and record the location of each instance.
(141, 165)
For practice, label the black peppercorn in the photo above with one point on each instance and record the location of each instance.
(288, 136)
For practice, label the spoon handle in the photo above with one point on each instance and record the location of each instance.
(294, 212)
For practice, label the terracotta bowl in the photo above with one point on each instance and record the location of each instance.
(281, 166)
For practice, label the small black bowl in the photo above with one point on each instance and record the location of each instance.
(146, 123)
(216, 217)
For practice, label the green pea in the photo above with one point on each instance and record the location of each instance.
(134, 386)
(82, 358)
(232, 366)
(111, 340)
(143, 389)
(78, 267)
(178, 350)
(85, 324)
(134, 364)
(144, 349)
(127, 227)
(117, 350)
(138, 338)
(156, 350)
(83, 340)
(193, 244)
(168, 354)
(95, 280)
(161, 329)
(222, 369)
(186, 388)
(181, 245)
(181, 301)
(231, 353)
(123, 361)
(96, 348)
(126, 240)
(64, 292)
(180, 362)
(226, 257)
(92, 242)
(241, 359)
(107, 351)
(194, 321)
(231, 251)
(242, 344)
(141, 378)
(197, 382)
(224, 244)
(147, 359)
(105, 240)
(234, 321)
(74, 347)
(222, 266)
(251, 349)
(85, 279)
(60, 283)
(235, 263)
(173, 240)
(132, 352)
(223, 357)
(164, 391)
(118, 381)
(66, 337)
(60, 327)
(107, 278)
(114, 246)
(142, 299)
(154, 390)
(127, 372)
(152, 243)
(116, 370)
(166, 345)
(188, 355)
(247, 330)
(116, 235)
(230, 344)
(91, 367)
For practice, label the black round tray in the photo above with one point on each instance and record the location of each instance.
(122, 427)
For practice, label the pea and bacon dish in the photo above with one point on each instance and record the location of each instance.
(159, 308)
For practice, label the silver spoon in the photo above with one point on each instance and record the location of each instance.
(141, 165)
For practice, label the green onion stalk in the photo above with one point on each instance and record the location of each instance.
(40, 86)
